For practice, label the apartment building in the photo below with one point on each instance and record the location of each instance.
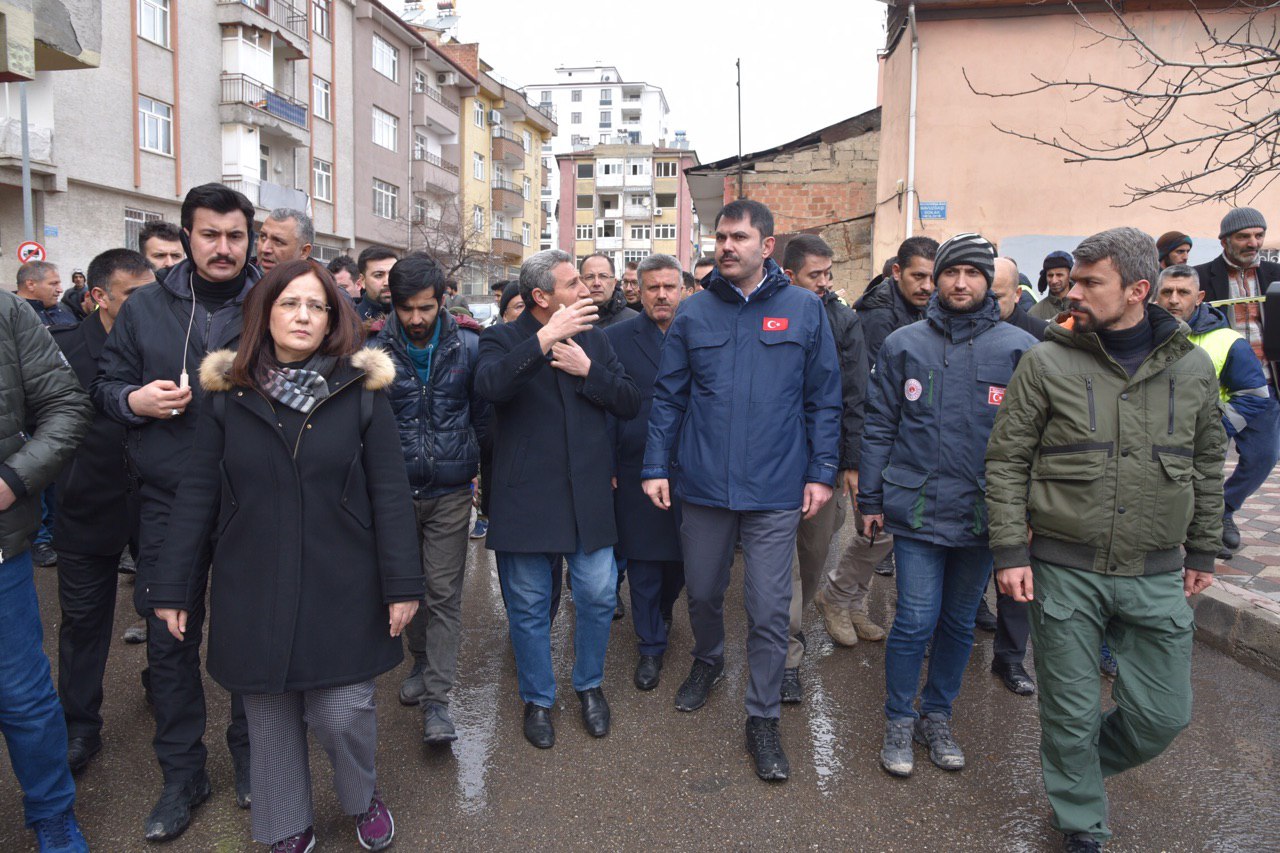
(628, 201)
(596, 106)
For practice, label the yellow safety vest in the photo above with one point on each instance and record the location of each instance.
(1217, 344)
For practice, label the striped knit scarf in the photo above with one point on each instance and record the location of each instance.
(299, 388)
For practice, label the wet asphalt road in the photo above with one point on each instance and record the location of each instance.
(663, 779)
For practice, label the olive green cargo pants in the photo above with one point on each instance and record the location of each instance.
(1148, 624)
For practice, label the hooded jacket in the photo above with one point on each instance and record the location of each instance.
(442, 425)
(146, 343)
(1116, 474)
(748, 396)
(1243, 385)
(934, 398)
(881, 310)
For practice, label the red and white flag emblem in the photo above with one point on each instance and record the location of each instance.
(995, 395)
(774, 324)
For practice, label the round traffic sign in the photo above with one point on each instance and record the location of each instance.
(30, 251)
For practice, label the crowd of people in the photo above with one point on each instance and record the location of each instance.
(301, 446)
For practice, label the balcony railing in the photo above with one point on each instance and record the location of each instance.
(242, 89)
(503, 234)
(503, 184)
(435, 160)
(502, 133)
(285, 14)
(636, 211)
(547, 109)
(438, 96)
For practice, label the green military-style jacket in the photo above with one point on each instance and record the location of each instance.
(1115, 474)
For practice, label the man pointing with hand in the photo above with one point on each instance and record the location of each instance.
(747, 401)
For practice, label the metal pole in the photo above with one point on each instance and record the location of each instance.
(739, 67)
(28, 217)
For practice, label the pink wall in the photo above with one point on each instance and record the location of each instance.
(1013, 190)
(567, 216)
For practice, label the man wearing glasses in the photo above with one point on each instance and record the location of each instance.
(597, 274)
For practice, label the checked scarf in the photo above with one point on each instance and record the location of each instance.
(299, 388)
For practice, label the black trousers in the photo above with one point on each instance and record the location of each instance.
(87, 597)
(486, 474)
(174, 665)
(1012, 629)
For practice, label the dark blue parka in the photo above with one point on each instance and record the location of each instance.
(748, 395)
(937, 386)
(443, 425)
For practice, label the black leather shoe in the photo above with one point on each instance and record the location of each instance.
(595, 711)
(1230, 533)
(765, 746)
(792, 693)
(619, 610)
(240, 765)
(1081, 842)
(692, 695)
(172, 814)
(80, 750)
(537, 726)
(647, 669)
(43, 555)
(986, 620)
(1015, 677)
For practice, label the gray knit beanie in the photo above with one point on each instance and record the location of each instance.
(1239, 219)
(972, 249)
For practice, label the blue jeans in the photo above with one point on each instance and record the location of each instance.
(1256, 444)
(938, 593)
(48, 512)
(527, 588)
(30, 714)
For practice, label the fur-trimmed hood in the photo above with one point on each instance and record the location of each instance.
(379, 371)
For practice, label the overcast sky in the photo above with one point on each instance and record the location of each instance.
(805, 63)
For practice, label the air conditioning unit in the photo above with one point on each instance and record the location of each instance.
(447, 78)
(495, 118)
(657, 211)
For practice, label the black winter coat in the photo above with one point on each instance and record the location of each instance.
(644, 531)
(1033, 326)
(552, 458)
(145, 345)
(444, 426)
(312, 538)
(851, 345)
(882, 311)
(97, 512)
(1214, 283)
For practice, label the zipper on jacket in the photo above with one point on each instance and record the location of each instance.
(931, 385)
(1093, 412)
(1172, 381)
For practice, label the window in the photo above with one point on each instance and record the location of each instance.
(664, 232)
(153, 21)
(636, 255)
(544, 96)
(667, 169)
(477, 166)
(606, 118)
(610, 167)
(419, 210)
(323, 174)
(477, 113)
(526, 188)
(664, 200)
(386, 129)
(419, 146)
(320, 98)
(575, 118)
(477, 218)
(386, 199)
(386, 59)
(134, 220)
(586, 232)
(526, 234)
(586, 202)
(155, 120)
(320, 17)
(264, 162)
(640, 232)
(325, 253)
(610, 228)
(637, 166)
(419, 80)
(606, 97)
(586, 170)
(575, 95)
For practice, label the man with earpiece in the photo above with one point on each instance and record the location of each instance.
(160, 336)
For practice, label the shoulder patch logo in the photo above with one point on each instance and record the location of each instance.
(912, 389)
(995, 395)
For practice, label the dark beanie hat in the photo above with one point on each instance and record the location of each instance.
(1170, 241)
(1239, 219)
(1058, 260)
(511, 291)
(971, 249)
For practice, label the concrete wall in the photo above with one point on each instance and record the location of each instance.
(1016, 192)
(374, 161)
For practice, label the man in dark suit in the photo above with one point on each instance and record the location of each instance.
(95, 518)
(648, 538)
(553, 380)
(1239, 272)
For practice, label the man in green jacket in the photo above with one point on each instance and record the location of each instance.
(1110, 445)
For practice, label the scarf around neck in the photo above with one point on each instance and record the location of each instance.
(300, 388)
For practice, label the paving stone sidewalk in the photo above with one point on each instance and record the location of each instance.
(1256, 566)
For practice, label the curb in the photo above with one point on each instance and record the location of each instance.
(1242, 624)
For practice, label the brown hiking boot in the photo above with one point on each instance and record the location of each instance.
(867, 630)
(836, 620)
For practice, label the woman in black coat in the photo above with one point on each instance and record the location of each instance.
(297, 486)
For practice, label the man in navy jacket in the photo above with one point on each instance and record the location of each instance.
(748, 398)
(553, 379)
(648, 538)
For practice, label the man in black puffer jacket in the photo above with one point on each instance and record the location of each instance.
(443, 423)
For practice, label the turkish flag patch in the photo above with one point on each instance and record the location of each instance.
(774, 324)
(995, 395)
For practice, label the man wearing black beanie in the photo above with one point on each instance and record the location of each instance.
(1055, 274)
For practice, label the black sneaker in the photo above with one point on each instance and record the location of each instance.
(240, 767)
(437, 724)
(791, 693)
(43, 555)
(986, 620)
(885, 566)
(1230, 533)
(765, 746)
(172, 814)
(1081, 842)
(692, 695)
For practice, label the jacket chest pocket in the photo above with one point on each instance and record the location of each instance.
(1066, 491)
(228, 505)
(780, 372)
(710, 361)
(992, 379)
(355, 494)
(1174, 493)
(904, 496)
